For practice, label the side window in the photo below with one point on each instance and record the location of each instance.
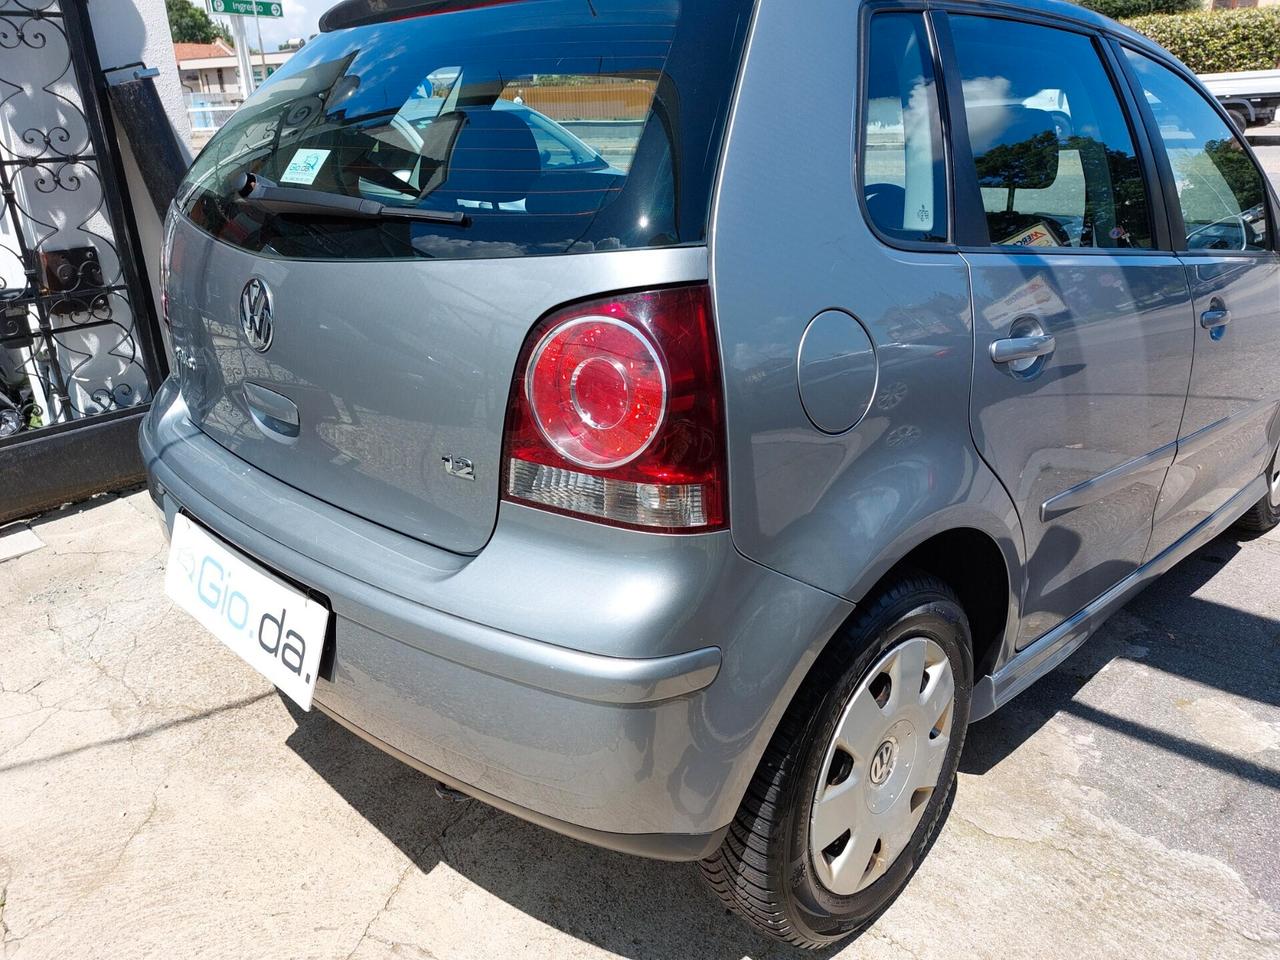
(903, 172)
(1220, 189)
(1054, 153)
(558, 146)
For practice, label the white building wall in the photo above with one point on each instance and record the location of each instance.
(129, 30)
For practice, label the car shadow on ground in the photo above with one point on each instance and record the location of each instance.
(611, 900)
(632, 907)
(1170, 629)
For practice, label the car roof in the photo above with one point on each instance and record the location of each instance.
(353, 12)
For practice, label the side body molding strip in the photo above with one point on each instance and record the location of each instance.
(1043, 655)
(1105, 484)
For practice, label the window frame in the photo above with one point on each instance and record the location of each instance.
(975, 237)
(922, 9)
(1164, 168)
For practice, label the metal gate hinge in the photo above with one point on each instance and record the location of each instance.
(139, 71)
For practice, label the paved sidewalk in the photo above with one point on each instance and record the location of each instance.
(157, 799)
(1269, 156)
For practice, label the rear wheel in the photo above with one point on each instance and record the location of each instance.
(859, 776)
(1265, 514)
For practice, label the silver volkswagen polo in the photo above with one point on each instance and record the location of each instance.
(673, 423)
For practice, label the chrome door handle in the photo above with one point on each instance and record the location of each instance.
(1012, 349)
(1216, 316)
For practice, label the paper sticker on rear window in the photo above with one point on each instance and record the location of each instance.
(304, 166)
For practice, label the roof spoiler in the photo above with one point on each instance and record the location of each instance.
(357, 13)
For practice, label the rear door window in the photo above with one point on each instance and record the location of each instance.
(903, 173)
(1220, 189)
(539, 128)
(1052, 148)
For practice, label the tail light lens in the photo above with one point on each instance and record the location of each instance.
(616, 414)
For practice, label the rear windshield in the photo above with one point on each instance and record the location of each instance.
(540, 126)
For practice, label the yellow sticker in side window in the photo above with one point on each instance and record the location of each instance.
(1037, 235)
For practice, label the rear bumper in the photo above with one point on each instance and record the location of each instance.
(659, 846)
(615, 686)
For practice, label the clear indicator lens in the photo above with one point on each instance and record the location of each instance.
(656, 505)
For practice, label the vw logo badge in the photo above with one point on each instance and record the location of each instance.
(255, 315)
(882, 763)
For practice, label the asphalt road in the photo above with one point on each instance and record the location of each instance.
(157, 799)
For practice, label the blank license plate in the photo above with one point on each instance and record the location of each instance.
(274, 628)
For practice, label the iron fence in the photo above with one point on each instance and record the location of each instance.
(72, 346)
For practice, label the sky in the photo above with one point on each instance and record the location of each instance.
(300, 20)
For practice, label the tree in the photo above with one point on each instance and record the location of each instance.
(1223, 164)
(189, 24)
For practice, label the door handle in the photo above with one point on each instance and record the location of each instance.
(1013, 349)
(273, 414)
(1216, 316)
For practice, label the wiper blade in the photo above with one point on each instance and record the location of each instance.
(263, 193)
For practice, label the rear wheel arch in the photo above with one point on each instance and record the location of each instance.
(981, 562)
(982, 568)
(972, 563)
(979, 549)
(961, 565)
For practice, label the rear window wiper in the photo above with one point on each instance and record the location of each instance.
(263, 193)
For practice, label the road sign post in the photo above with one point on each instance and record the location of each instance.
(237, 10)
(243, 65)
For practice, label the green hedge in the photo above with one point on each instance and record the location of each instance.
(1121, 9)
(1220, 41)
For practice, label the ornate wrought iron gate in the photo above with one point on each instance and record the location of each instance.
(80, 349)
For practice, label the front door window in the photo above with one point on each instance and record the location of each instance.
(1053, 152)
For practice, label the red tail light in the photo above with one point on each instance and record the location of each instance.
(616, 414)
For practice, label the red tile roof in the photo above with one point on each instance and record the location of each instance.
(201, 51)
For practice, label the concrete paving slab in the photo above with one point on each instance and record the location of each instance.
(16, 540)
(158, 799)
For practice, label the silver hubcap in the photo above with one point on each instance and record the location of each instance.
(882, 766)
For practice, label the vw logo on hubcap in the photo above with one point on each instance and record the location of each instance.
(882, 763)
(255, 315)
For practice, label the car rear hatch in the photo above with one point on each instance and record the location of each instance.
(511, 157)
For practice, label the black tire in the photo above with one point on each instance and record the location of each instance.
(1265, 513)
(1239, 119)
(764, 871)
(1261, 517)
